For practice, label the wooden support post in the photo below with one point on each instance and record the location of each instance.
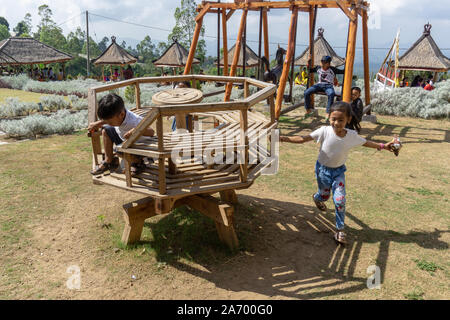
(135, 214)
(311, 61)
(366, 58)
(92, 106)
(246, 90)
(225, 43)
(291, 82)
(350, 59)
(96, 147)
(229, 196)
(193, 48)
(128, 159)
(260, 73)
(272, 109)
(266, 35)
(161, 160)
(244, 142)
(287, 62)
(138, 95)
(237, 49)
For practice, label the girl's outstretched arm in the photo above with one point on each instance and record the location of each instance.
(379, 146)
(296, 139)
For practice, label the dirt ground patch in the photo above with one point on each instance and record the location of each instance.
(52, 218)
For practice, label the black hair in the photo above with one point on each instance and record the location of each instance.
(357, 89)
(345, 107)
(110, 106)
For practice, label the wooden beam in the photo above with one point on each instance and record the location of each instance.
(135, 214)
(352, 15)
(142, 126)
(138, 95)
(350, 60)
(225, 43)
(229, 14)
(287, 62)
(266, 35)
(193, 48)
(236, 54)
(366, 58)
(202, 12)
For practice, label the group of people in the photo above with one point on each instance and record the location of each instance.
(46, 74)
(418, 82)
(336, 140)
(127, 74)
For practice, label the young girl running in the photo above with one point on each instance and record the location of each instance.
(336, 142)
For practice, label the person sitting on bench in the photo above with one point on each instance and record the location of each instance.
(326, 74)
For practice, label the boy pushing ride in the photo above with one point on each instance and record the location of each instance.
(117, 124)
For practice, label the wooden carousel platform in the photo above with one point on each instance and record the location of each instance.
(189, 165)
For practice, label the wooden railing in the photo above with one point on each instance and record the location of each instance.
(156, 114)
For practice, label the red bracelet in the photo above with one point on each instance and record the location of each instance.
(381, 147)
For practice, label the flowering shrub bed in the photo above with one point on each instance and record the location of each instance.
(61, 122)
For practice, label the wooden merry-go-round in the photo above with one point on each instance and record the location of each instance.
(167, 183)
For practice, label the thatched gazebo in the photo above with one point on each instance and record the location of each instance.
(28, 51)
(251, 58)
(424, 55)
(174, 57)
(321, 48)
(114, 55)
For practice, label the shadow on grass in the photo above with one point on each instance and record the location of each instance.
(287, 249)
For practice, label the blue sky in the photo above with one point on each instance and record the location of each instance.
(388, 15)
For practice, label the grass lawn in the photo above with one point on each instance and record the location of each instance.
(24, 96)
(53, 217)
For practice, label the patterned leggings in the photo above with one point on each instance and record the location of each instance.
(332, 179)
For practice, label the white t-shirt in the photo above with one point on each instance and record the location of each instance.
(131, 121)
(334, 149)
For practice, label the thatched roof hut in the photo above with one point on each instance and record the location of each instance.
(27, 51)
(115, 55)
(424, 55)
(251, 58)
(321, 48)
(174, 57)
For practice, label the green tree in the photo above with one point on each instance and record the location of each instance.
(184, 27)
(146, 50)
(94, 51)
(4, 33)
(75, 41)
(21, 29)
(103, 45)
(4, 22)
(48, 32)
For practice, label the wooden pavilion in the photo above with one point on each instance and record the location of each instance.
(353, 9)
(321, 48)
(251, 58)
(28, 51)
(424, 55)
(114, 55)
(174, 57)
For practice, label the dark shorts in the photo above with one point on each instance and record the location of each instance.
(112, 134)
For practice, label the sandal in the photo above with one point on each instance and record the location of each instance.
(340, 237)
(106, 166)
(320, 205)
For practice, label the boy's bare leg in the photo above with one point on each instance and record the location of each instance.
(108, 145)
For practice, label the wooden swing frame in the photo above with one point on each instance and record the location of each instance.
(351, 8)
